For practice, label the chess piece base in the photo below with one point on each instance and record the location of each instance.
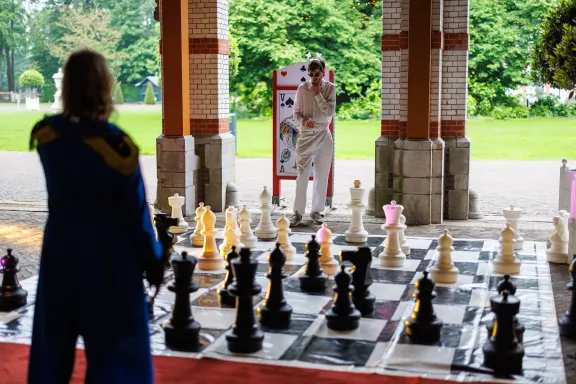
(393, 260)
(364, 304)
(197, 240)
(356, 236)
(181, 228)
(250, 344)
(423, 332)
(449, 276)
(346, 322)
(506, 360)
(405, 249)
(275, 318)
(226, 297)
(12, 299)
(519, 329)
(210, 263)
(318, 283)
(182, 338)
(330, 267)
(289, 252)
(557, 257)
(249, 242)
(265, 234)
(501, 266)
(567, 326)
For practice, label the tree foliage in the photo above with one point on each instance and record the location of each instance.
(149, 96)
(31, 79)
(554, 55)
(118, 95)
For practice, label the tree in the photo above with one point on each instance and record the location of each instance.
(11, 35)
(118, 95)
(31, 79)
(235, 58)
(149, 97)
(554, 54)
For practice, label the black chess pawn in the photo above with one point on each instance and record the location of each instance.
(361, 278)
(507, 285)
(245, 336)
(423, 327)
(182, 331)
(275, 312)
(12, 295)
(502, 351)
(224, 294)
(313, 278)
(567, 322)
(343, 316)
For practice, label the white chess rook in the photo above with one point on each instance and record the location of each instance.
(506, 261)
(444, 270)
(558, 251)
(283, 231)
(327, 261)
(176, 202)
(403, 243)
(210, 259)
(512, 215)
(248, 238)
(196, 238)
(392, 256)
(265, 229)
(356, 233)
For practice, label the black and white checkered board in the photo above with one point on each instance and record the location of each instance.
(379, 344)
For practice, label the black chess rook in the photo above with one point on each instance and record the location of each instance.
(567, 322)
(224, 294)
(423, 326)
(362, 298)
(519, 329)
(182, 331)
(313, 279)
(245, 336)
(343, 316)
(502, 352)
(275, 312)
(12, 295)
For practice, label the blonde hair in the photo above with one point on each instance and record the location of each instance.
(87, 86)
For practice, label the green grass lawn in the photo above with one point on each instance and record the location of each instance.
(530, 139)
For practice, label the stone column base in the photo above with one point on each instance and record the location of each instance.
(383, 181)
(456, 184)
(176, 165)
(217, 168)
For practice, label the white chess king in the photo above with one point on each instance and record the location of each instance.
(506, 261)
(176, 202)
(392, 256)
(356, 233)
(558, 251)
(444, 270)
(327, 261)
(196, 238)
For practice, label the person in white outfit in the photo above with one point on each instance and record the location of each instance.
(314, 109)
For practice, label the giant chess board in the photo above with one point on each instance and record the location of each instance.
(379, 345)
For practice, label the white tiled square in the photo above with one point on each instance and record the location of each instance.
(369, 330)
(468, 337)
(460, 280)
(410, 265)
(422, 358)
(457, 256)
(302, 238)
(214, 318)
(377, 354)
(263, 282)
(479, 298)
(274, 346)
(297, 259)
(306, 304)
(450, 314)
(483, 268)
(402, 310)
(392, 292)
(416, 243)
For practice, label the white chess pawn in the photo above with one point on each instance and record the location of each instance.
(558, 251)
(265, 229)
(327, 261)
(356, 233)
(233, 221)
(230, 239)
(176, 202)
(444, 270)
(506, 261)
(248, 238)
(196, 238)
(233, 225)
(283, 231)
(403, 243)
(210, 259)
(392, 256)
(512, 215)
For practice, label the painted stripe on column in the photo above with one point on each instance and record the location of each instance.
(456, 42)
(389, 127)
(453, 128)
(208, 46)
(209, 126)
(394, 42)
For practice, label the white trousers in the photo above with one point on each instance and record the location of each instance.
(314, 146)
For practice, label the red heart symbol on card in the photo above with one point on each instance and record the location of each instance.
(283, 73)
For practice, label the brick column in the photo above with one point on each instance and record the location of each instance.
(209, 100)
(175, 158)
(453, 122)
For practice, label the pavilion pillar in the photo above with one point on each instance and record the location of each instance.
(209, 100)
(175, 157)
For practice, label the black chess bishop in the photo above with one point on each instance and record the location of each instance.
(12, 295)
(519, 329)
(275, 312)
(567, 322)
(245, 336)
(343, 316)
(423, 326)
(362, 298)
(224, 294)
(502, 351)
(182, 331)
(313, 279)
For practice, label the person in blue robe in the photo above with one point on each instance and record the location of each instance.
(99, 240)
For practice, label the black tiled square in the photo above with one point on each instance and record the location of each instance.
(486, 255)
(417, 254)
(337, 351)
(461, 245)
(210, 299)
(519, 283)
(424, 264)
(289, 269)
(466, 268)
(444, 295)
(391, 276)
(473, 315)
(388, 331)
(293, 285)
(383, 310)
(299, 323)
(449, 336)
(208, 280)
